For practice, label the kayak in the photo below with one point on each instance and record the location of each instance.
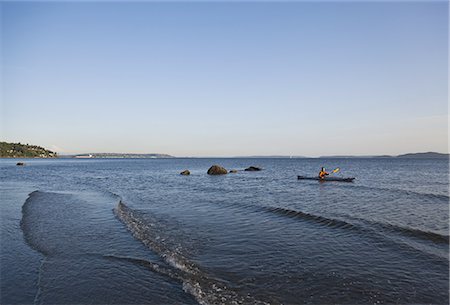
(326, 179)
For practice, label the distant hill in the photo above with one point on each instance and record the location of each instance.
(119, 156)
(425, 155)
(18, 150)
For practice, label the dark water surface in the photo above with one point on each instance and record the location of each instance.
(130, 231)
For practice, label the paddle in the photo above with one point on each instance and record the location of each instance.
(335, 170)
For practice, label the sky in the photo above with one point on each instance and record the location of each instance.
(226, 78)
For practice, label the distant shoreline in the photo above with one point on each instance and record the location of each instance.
(26, 151)
(110, 156)
(117, 156)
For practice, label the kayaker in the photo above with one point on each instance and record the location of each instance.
(323, 173)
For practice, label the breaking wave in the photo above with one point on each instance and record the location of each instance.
(204, 288)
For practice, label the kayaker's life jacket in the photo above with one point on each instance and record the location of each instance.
(323, 173)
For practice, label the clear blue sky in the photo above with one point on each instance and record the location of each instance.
(226, 79)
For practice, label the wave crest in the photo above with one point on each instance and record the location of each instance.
(337, 223)
(195, 281)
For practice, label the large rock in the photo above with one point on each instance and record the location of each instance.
(185, 173)
(252, 169)
(217, 170)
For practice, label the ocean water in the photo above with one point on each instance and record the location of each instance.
(127, 231)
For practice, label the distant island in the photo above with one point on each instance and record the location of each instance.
(19, 150)
(424, 155)
(118, 156)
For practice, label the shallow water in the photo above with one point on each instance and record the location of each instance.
(129, 231)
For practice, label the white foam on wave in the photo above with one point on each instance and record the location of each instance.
(194, 280)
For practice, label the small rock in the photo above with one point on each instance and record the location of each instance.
(253, 169)
(233, 171)
(217, 170)
(185, 173)
(20, 164)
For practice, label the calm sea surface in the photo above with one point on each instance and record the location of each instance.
(124, 231)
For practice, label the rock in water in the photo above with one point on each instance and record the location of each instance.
(185, 173)
(233, 171)
(217, 170)
(252, 169)
(20, 164)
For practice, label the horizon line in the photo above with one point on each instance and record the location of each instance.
(262, 156)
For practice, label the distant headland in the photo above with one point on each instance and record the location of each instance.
(118, 156)
(19, 150)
